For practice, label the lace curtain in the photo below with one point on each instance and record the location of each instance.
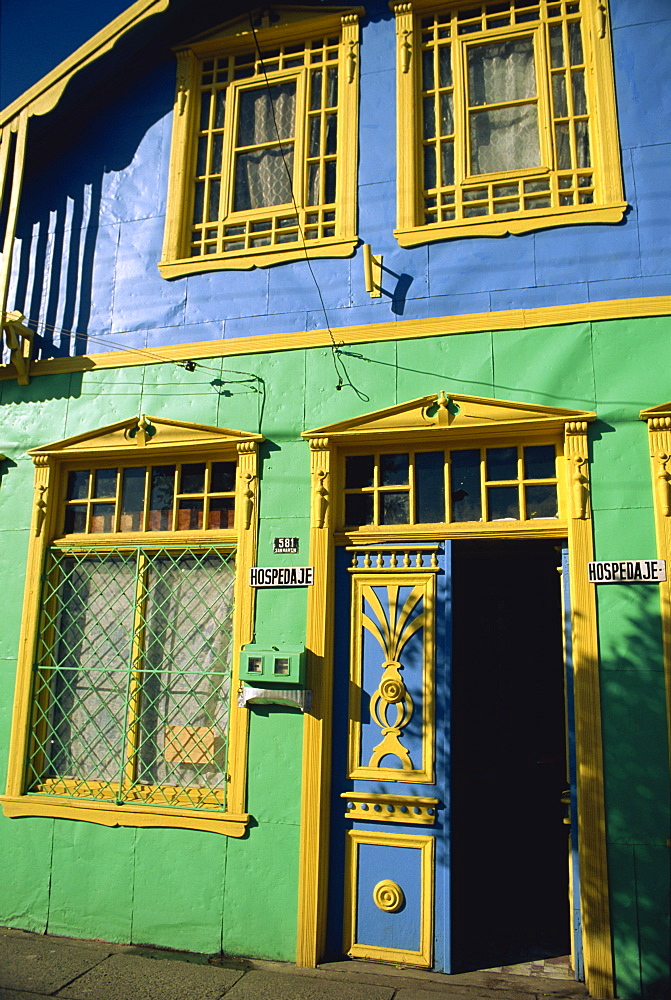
(263, 176)
(503, 138)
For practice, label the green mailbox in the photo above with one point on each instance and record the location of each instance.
(274, 666)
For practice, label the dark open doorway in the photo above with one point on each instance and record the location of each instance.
(509, 851)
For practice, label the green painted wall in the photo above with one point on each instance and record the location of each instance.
(202, 891)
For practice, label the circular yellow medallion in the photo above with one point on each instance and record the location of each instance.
(388, 896)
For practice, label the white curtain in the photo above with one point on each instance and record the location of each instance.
(263, 177)
(502, 138)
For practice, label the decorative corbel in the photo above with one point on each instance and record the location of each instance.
(350, 23)
(19, 340)
(601, 14)
(320, 480)
(578, 463)
(249, 494)
(403, 12)
(184, 61)
(662, 460)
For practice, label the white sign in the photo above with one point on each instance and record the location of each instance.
(627, 571)
(281, 576)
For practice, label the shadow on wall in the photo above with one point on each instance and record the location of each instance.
(55, 283)
(636, 766)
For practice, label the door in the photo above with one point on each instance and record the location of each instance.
(450, 755)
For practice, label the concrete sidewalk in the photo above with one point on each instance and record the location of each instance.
(35, 965)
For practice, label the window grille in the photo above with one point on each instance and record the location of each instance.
(133, 680)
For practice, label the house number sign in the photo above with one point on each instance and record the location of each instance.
(281, 576)
(628, 571)
(281, 545)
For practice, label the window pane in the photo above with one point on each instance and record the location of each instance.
(427, 69)
(359, 471)
(75, 519)
(501, 463)
(193, 478)
(267, 114)
(501, 71)
(161, 501)
(504, 139)
(358, 509)
(503, 503)
(263, 178)
(102, 517)
(190, 515)
(445, 66)
(316, 90)
(104, 485)
(221, 513)
(394, 508)
(86, 723)
(132, 499)
(429, 486)
(465, 485)
(541, 501)
(186, 683)
(394, 470)
(223, 477)
(539, 461)
(78, 485)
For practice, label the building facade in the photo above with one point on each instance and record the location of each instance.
(336, 486)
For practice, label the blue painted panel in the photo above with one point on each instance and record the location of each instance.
(412, 661)
(374, 926)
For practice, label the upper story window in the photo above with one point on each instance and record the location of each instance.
(511, 119)
(264, 155)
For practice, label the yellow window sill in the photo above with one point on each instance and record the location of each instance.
(230, 824)
(245, 260)
(518, 223)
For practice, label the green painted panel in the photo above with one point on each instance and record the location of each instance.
(173, 392)
(16, 488)
(461, 364)
(630, 626)
(25, 863)
(547, 365)
(13, 550)
(285, 479)
(265, 394)
(92, 881)
(275, 747)
(635, 754)
(262, 879)
(178, 895)
(624, 920)
(7, 687)
(621, 474)
(371, 370)
(653, 887)
(35, 413)
(121, 390)
(627, 370)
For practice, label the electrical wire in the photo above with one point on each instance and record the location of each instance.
(338, 363)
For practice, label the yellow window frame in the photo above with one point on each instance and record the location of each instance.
(316, 233)
(493, 191)
(127, 443)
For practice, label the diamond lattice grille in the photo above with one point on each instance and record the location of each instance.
(132, 687)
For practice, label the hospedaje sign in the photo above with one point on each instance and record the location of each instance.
(627, 571)
(281, 576)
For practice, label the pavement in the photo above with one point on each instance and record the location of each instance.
(36, 965)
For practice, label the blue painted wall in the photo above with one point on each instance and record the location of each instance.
(92, 224)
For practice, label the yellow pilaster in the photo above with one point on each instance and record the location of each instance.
(594, 900)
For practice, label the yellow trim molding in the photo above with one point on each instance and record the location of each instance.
(410, 329)
(658, 419)
(134, 441)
